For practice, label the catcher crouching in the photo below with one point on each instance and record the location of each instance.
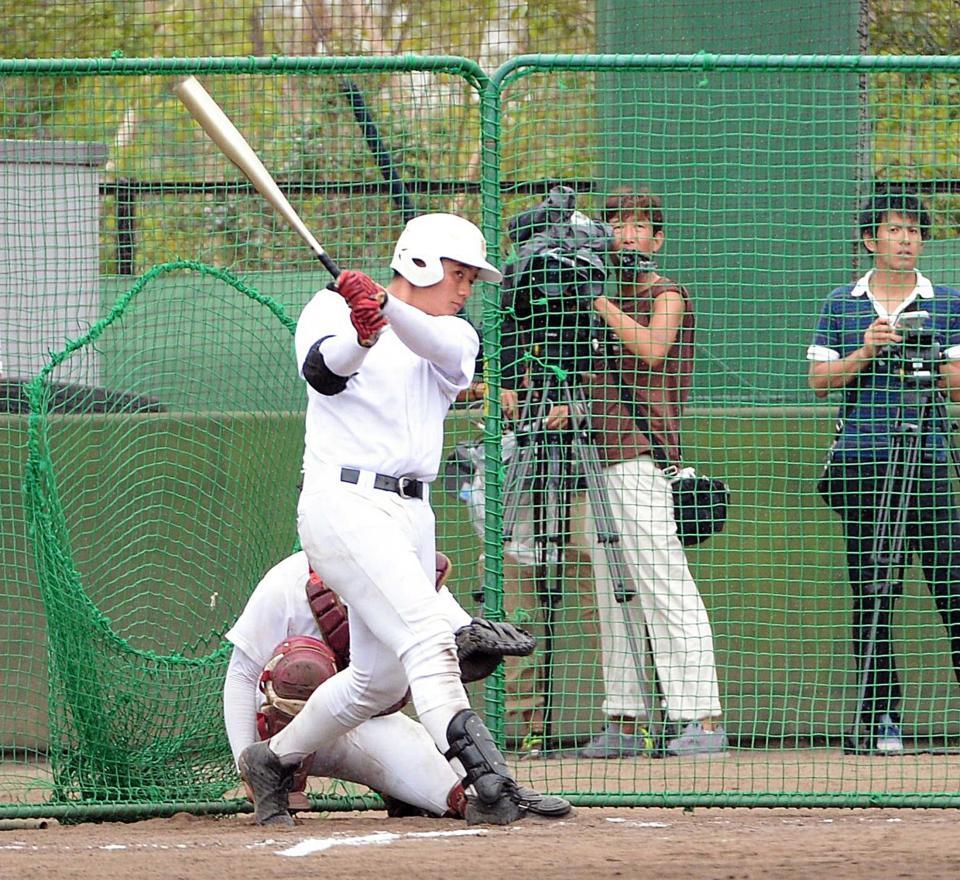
(305, 626)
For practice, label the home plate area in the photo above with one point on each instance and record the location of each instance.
(594, 843)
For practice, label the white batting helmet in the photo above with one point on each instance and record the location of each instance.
(426, 239)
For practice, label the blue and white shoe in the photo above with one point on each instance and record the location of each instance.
(887, 739)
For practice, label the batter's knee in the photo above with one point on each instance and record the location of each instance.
(436, 649)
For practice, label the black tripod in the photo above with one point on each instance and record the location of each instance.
(548, 465)
(922, 409)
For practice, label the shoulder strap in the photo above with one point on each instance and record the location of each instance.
(643, 426)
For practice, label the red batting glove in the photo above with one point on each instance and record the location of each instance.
(357, 286)
(367, 321)
(364, 297)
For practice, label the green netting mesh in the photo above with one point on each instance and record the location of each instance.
(152, 520)
(160, 450)
(759, 165)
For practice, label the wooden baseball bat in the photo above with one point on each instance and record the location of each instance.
(234, 146)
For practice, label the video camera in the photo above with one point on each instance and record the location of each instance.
(919, 353)
(559, 268)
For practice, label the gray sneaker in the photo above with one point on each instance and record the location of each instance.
(694, 740)
(612, 742)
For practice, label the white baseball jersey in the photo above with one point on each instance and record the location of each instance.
(372, 546)
(389, 418)
(276, 610)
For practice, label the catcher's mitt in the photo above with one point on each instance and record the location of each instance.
(482, 645)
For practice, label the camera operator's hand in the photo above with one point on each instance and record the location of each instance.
(878, 336)
(557, 417)
(509, 403)
(826, 376)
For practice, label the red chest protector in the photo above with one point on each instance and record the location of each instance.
(331, 618)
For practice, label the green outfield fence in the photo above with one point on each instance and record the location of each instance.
(153, 417)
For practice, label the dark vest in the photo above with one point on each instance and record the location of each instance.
(660, 392)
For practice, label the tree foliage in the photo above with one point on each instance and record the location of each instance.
(303, 128)
(913, 27)
(916, 116)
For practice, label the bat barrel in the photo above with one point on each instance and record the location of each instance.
(234, 146)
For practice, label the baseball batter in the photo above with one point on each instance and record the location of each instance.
(382, 369)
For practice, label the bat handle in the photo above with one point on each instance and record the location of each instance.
(328, 264)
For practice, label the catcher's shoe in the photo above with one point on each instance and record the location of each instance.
(269, 782)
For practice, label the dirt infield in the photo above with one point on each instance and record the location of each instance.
(596, 843)
(608, 842)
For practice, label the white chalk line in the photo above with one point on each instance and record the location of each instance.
(379, 838)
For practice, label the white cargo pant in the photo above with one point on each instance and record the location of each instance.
(668, 599)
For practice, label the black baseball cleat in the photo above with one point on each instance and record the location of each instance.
(270, 782)
(494, 796)
(549, 806)
(512, 804)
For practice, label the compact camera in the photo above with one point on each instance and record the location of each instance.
(919, 351)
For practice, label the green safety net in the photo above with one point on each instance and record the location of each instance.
(153, 414)
(152, 515)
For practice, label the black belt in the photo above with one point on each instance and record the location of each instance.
(406, 487)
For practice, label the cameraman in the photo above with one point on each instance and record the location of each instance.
(647, 367)
(857, 348)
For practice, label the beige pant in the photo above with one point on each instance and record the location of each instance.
(666, 594)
